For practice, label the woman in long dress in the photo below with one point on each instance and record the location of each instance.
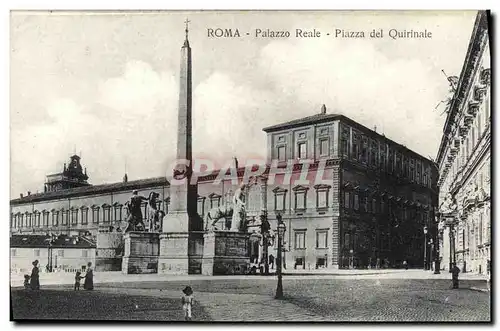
(89, 278)
(35, 276)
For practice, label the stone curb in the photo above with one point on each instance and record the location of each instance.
(479, 289)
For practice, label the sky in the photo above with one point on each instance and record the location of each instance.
(106, 84)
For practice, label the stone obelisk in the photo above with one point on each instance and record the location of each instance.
(182, 215)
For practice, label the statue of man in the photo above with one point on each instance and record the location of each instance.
(135, 207)
(238, 208)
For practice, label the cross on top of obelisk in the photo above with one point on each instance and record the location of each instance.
(187, 30)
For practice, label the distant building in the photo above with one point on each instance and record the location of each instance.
(62, 253)
(464, 160)
(71, 177)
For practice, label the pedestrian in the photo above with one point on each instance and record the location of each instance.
(27, 285)
(488, 275)
(405, 265)
(89, 278)
(454, 275)
(271, 260)
(78, 277)
(187, 302)
(35, 276)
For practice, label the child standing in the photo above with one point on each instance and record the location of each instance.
(27, 285)
(78, 277)
(187, 302)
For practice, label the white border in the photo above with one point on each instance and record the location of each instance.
(8, 5)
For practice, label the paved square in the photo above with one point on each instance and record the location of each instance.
(252, 299)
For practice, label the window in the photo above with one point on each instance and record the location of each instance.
(347, 240)
(74, 216)
(324, 147)
(321, 262)
(279, 198)
(201, 205)
(399, 167)
(85, 215)
(382, 157)
(60, 253)
(321, 239)
(322, 193)
(13, 252)
(374, 154)
(479, 126)
(473, 135)
(364, 150)
(85, 253)
(300, 239)
(374, 205)
(64, 219)
(344, 142)
(28, 219)
(37, 219)
(214, 200)
(281, 153)
(467, 147)
(347, 200)
(355, 146)
(300, 197)
(95, 215)
(302, 150)
(412, 170)
(37, 252)
(368, 205)
(481, 229)
(356, 202)
(390, 161)
(45, 217)
(419, 168)
(106, 213)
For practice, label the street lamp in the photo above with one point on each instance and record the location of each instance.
(425, 248)
(281, 235)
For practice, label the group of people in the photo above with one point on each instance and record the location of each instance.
(32, 282)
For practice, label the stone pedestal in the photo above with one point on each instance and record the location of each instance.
(174, 258)
(140, 253)
(225, 253)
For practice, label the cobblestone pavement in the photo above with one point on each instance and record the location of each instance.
(253, 300)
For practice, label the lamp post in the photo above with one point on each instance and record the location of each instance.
(431, 243)
(281, 234)
(437, 263)
(425, 248)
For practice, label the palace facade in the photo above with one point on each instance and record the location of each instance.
(369, 209)
(464, 161)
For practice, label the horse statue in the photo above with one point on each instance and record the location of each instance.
(155, 215)
(215, 214)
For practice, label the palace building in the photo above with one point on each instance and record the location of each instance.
(464, 160)
(370, 208)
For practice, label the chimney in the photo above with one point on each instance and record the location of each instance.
(125, 178)
(21, 195)
(323, 110)
(235, 162)
(29, 193)
(375, 128)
